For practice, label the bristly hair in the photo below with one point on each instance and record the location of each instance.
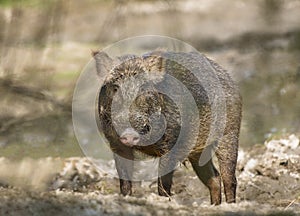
(152, 64)
(129, 66)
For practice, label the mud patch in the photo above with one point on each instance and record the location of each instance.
(268, 184)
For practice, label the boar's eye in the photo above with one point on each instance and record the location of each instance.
(115, 88)
(145, 129)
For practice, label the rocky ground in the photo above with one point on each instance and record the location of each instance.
(268, 184)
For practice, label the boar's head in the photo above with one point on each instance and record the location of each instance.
(132, 112)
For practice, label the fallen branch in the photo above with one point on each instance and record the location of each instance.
(34, 93)
(291, 203)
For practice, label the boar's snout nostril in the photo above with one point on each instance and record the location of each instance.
(124, 139)
(130, 137)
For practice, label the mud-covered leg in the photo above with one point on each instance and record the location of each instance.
(165, 184)
(210, 177)
(125, 170)
(165, 176)
(227, 155)
(227, 170)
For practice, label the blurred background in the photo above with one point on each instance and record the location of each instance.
(44, 45)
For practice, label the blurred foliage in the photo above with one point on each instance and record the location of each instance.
(271, 10)
(295, 45)
(45, 44)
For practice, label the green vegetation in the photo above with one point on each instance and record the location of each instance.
(10, 3)
(18, 151)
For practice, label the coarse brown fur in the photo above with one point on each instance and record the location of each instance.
(151, 102)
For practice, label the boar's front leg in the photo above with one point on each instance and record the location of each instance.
(165, 176)
(124, 165)
(165, 184)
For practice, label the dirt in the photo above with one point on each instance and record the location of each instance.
(268, 184)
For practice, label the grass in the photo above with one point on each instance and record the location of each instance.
(64, 83)
(26, 3)
(18, 151)
(33, 3)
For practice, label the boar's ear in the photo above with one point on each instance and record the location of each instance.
(154, 64)
(154, 61)
(103, 63)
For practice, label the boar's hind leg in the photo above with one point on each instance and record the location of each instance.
(209, 175)
(229, 181)
(227, 155)
(125, 170)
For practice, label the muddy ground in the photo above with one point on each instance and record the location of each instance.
(268, 184)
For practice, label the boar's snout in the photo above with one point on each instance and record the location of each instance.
(130, 137)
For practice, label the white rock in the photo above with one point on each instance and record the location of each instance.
(294, 141)
(283, 144)
(251, 164)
